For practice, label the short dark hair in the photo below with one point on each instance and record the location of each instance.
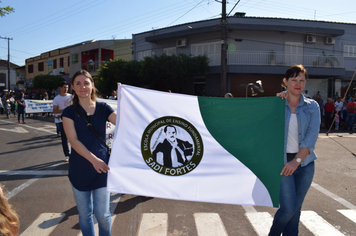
(294, 71)
(165, 128)
(62, 83)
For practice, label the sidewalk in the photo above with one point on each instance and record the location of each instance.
(336, 133)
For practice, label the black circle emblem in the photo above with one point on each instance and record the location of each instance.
(171, 146)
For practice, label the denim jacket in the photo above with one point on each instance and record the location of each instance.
(308, 117)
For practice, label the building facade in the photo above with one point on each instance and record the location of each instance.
(260, 49)
(88, 55)
(7, 84)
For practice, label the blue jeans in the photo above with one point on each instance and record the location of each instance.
(99, 201)
(350, 119)
(292, 193)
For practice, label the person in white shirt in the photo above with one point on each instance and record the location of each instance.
(113, 95)
(61, 101)
(338, 105)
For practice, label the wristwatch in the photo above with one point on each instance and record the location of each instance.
(299, 160)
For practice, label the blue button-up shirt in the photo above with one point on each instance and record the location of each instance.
(308, 117)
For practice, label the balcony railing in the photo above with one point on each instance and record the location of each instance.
(262, 58)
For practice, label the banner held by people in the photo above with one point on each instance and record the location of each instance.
(38, 106)
(206, 149)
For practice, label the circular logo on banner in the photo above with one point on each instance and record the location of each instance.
(171, 146)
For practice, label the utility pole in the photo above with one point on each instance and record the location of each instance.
(223, 48)
(8, 61)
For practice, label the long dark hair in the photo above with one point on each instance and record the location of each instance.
(93, 95)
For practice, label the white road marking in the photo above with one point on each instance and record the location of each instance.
(31, 127)
(21, 187)
(351, 214)
(34, 172)
(40, 129)
(19, 130)
(44, 224)
(209, 224)
(26, 184)
(317, 225)
(261, 222)
(153, 224)
(249, 208)
(114, 200)
(334, 196)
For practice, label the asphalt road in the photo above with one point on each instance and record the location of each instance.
(34, 175)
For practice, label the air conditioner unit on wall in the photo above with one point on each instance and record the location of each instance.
(329, 40)
(181, 42)
(310, 39)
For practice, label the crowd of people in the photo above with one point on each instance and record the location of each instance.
(337, 113)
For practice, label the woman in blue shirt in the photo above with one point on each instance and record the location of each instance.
(88, 159)
(302, 123)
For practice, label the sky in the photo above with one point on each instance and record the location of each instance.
(40, 26)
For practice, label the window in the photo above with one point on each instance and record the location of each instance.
(41, 66)
(142, 54)
(68, 61)
(349, 51)
(30, 69)
(293, 53)
(211, 50)
(169, 51)
(55, 64)
(106, 56)
(74, 58)
(61, 62)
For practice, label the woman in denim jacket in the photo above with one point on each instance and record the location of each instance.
(302, 122)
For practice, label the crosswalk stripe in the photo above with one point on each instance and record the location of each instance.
(153, 224)
(44, 224)
(209, 224)
(261, 222)
(114, 200)
(317, 225)
(351, 214)
(333, 196)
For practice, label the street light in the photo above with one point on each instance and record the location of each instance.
(252, 86)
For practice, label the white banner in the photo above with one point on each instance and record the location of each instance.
(38, 106)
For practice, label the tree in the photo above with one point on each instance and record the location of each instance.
(168, 72)
(6, 10)
(48, 82)
(176, 70)
(126, 72)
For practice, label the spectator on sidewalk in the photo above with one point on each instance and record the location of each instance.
(329, 112)
(321, 106)
(351, 110)
(61, 101)
(113, 95)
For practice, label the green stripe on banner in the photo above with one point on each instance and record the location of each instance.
(252, 130)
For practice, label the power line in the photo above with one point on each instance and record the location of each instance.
(186, 12)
